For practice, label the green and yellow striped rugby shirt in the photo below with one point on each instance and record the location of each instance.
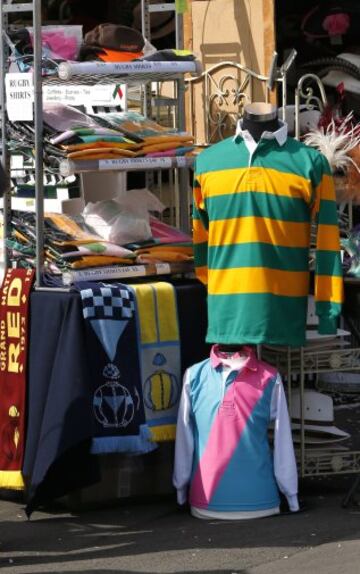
(252, 211)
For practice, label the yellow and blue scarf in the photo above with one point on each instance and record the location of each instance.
(160, 361)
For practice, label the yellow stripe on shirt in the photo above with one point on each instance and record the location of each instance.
(202, 274)
(327, 188)
(255, 229)
(258, 280)
(328, 238)
(329, 288)
(200, 235)
(267, 180)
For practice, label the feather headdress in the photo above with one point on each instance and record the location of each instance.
(339, 144)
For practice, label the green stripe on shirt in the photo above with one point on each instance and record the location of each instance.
(258, 255)
(235, 319)
(258, 204)
(201, 254)
(328, 263)
(327, 213)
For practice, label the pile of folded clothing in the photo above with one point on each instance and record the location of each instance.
(68, 244)
(72, 134)
(153, 139)
(71, 244)
(129, 220)
(77, 135)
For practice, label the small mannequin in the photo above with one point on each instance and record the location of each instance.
(258, 118)
(226, 406)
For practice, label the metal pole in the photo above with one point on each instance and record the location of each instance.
(284, 96)
(297, 113)
(146, 32)
(4, 152)
(302, 412)
(184, 207)
(39, 169)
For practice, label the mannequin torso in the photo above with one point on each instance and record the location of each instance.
(259, 118)
(257, 128)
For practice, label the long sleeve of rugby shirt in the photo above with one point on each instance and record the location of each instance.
(253, 204)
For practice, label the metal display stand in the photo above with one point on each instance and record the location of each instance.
(313, 361)
(310, 93)
(94, 73)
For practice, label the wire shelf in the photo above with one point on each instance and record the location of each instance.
(313, 361)
(70, 167)
(139, 72)
(127, 272)
(336, 462)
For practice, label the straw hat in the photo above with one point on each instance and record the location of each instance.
(319, 422)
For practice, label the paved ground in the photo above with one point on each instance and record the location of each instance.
(156, 537)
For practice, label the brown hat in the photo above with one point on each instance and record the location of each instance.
(162, 23)
(115, 37)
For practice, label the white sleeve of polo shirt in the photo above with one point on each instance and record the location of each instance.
(184, 445)
(285, 468)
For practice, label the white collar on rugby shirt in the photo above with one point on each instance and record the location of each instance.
(280, 135)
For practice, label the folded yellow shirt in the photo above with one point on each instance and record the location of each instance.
(100, 144)
(168, 138)
(162, 146)
(162, 256)
(185, 249)
(106, 153)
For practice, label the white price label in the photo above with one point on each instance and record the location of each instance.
(136, 163)
(183, 161)
(162, 268)
(110, 272)
(16, 162)
(19, 96)
(62, 193)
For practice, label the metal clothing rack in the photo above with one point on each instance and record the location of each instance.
(308, 360)
(141, 72)
(34, 8)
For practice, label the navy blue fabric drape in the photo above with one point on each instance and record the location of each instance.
(59, 415)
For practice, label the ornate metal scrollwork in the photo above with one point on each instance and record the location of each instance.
(224, 97)
(305, 96)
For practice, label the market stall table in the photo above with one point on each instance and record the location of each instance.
(60, 419)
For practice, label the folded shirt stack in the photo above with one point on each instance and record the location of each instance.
(70, 244)
(118, 134)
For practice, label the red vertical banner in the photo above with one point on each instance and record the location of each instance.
(14, 311)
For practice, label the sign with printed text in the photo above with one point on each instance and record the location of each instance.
(14, 334)
(79, 95)
(19, 96)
